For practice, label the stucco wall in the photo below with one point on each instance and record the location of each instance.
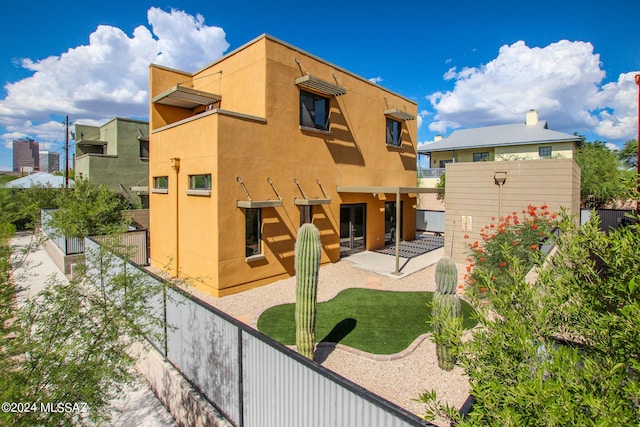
(265, 141)
(471, 192)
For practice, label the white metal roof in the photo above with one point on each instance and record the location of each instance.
(500, 135)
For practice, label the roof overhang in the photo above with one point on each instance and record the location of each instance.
(185, 97)
(320, 86)
(91, 142)
(385, 189)
(399, 114)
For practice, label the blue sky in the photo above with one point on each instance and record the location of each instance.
(466, 63)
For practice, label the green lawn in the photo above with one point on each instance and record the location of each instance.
(379, 322)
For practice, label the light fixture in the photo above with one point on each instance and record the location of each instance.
(175, 163)
(499, 178)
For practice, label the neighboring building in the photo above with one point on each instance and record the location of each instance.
(26, 156)
(268, 137)
(49, 162)
(529, 140)
(115, 154)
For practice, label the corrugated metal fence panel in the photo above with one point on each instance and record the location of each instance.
(137, 241)
(204, 346)
(278, 387)
(430, 221)
(155, 302)
(609, 218)
(280, 390)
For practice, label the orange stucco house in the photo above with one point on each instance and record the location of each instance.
(245, 150)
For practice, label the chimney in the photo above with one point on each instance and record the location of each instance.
(437, 138)
(531, 118)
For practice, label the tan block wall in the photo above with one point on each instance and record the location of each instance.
(471, 191)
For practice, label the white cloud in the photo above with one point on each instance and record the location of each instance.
(562, 81)
(108, 77)
(376, 80)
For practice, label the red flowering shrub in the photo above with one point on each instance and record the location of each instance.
(516, 236)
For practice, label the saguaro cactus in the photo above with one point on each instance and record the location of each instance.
(446, 312)
(307, 264)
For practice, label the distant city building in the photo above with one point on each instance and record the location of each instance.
(49, 162)
(26, 155)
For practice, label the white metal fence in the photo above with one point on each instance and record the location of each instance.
(69, 246)
(135, 241)
(250, 378)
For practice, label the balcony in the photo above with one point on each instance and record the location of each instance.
(430, 173)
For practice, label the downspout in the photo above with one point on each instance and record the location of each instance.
(175, 165)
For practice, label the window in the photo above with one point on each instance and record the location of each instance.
(144, 149)
(200, 182)
(544, 152)
(394, 132)
(479, 157)
(253, 235)
(306, 214)
(443, 163)
(160, 184)
(314, 111)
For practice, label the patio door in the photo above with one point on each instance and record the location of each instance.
(352, 228)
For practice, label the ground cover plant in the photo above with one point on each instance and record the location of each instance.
(558, 349)
(375, 321)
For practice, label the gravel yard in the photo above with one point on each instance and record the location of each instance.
(401, 379)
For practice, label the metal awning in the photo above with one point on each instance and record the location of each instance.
(399, 114)
(259, 203)
(311, 202)
(320, 86)
(185, 97)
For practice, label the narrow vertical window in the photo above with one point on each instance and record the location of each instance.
(306, 214)
(394, 132)
(253, 238)
(144, 149)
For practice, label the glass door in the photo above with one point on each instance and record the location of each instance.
(390, 222)
(352, 228)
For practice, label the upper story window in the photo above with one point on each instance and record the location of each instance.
(394, 132)
(544, 152)
(144, 149)
(200, 182)
(314, 111)
(443, 163)
(479, 157)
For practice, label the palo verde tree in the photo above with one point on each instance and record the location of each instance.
(88, 209)
(72, 344)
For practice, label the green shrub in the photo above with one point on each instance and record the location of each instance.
(563, 349)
